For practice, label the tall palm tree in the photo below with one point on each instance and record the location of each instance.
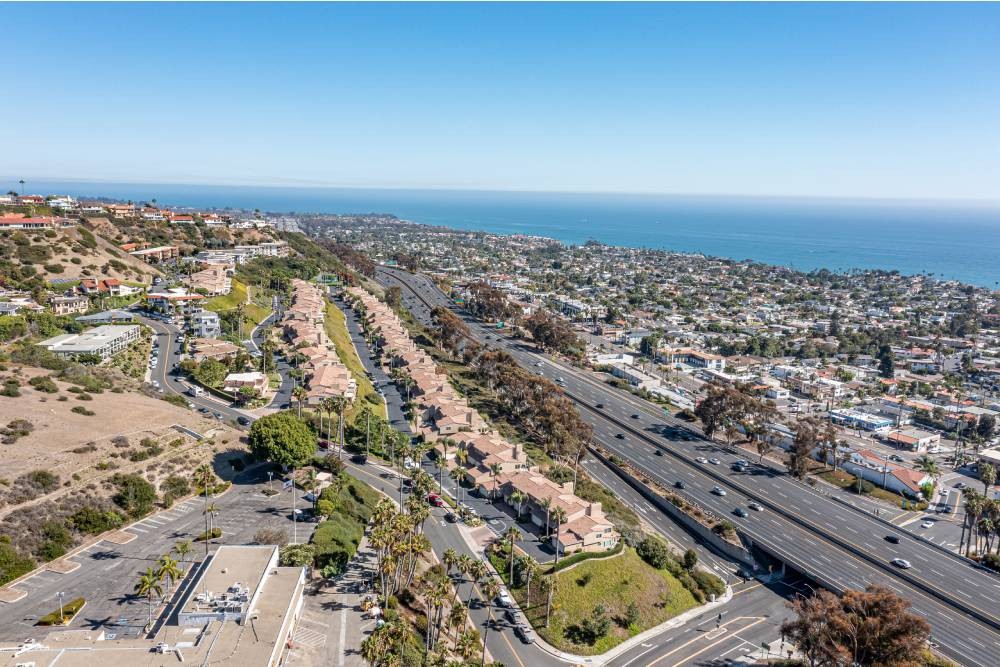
(478, 570)
(494, 473)
(530, 569)
(457, 475)
(465, 569)
(450, 560)
(211, 511)
(547, 504)
(548, 585)
(518, 498)
(169, 569)
(149, 585)
(560, 515)
(299, 393)
(512, 534)
(491, 589)
(182, 548)
(988, 476)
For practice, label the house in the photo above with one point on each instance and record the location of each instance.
(68, 305)
(156, 255)
(254, 380)
(201, 349)
(694, 358)
(206, 324)
(107, 317)
(215, 279)
(105, 287)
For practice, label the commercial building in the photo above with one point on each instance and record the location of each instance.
(240, 611)
(104, 341)
(861, 420)
(914, 439)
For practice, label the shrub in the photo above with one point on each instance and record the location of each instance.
(44, 383)
(57, 540)
(204, 536)
(690, 559)
(654, 551)
(135, 495)
(93, 520)
(42, 480)
(80, 410)
(11, 388)
(176, 486)
(17, 428)
(272, 535)
(12, 563)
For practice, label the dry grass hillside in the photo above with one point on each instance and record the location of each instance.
(71, 254)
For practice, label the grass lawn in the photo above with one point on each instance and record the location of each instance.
(848, 481)
(253, 313)
(613, 582)
(336, 329)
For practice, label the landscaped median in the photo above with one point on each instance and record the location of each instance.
(69, 612)
(336, 328)
(593, 605)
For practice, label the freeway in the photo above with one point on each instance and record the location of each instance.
(835, 544)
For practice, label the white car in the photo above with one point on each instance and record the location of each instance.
(901, 563)
(408, 463)
(504, 600)
(927, 524)
(714, 462)
(538, 363)
(719, 491)
(701, 459)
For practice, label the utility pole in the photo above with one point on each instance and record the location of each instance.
(295, 523)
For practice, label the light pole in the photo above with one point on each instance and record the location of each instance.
(62, 619)
(270, 474)
(295, 523)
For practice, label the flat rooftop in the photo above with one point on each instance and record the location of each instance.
(90, 340)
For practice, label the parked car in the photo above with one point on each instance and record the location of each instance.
(927, 524)
(525, 633)
(504, 600)
(658, 452)
(635, 416)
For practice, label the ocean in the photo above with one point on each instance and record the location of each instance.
(951, 241)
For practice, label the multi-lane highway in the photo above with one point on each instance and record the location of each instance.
(836, 544)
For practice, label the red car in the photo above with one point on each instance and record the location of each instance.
(324, 444)
(435, 500)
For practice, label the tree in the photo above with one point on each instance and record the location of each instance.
(548, 585)
(986, 426)
(988, 476)
(690, 559)
(559, 514)
(870, 627)
(135, 495)
(494, 473)
(168, 568)
(512, 534)
(282, 438)
(148, 586)
(886, 362)
(928, 465)
(300, 394)
(182, 548)
(810, 434)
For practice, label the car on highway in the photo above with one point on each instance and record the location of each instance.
(701, 459)
(560, 380)
(742, 462)
(538, 364)
(599, 406)
(635, 416)
(714, 461)
(892, 539)
(718, 490)
(658, 452)
(736, 467)
(756, 507)
(680, 485)
(740, 512)
(620, 436)
(901, 563)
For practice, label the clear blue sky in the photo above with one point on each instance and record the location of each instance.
(892, 100)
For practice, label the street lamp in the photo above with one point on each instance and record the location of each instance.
(270, 474)
(60, 595)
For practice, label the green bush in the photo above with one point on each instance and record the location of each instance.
(585, 555)
(12, 563)
(93, 520)
(176, 486)
(134, 494)
(80, 410)
(44, 383)
(654, 551)
(57, 540)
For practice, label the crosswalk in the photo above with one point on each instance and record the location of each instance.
(308, 637)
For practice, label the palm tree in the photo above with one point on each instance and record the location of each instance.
(467, 645)
(168, 568)
(450, 559)
(494, 473)
(478, 570)
(491, 589)
(988, 476)
(547, 504)
(182, 548)
(210, 513)
(547, 585)
(149, 585)
(518, 498)
(340, 403)
(929, 466)
(457, 474)
(530, 568)
(512, 534)
(299, 393)
(560, 516)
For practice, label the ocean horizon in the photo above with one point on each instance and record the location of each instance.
(958, 241)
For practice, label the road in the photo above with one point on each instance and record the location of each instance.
(833, 543)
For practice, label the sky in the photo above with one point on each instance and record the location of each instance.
(851, 100)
